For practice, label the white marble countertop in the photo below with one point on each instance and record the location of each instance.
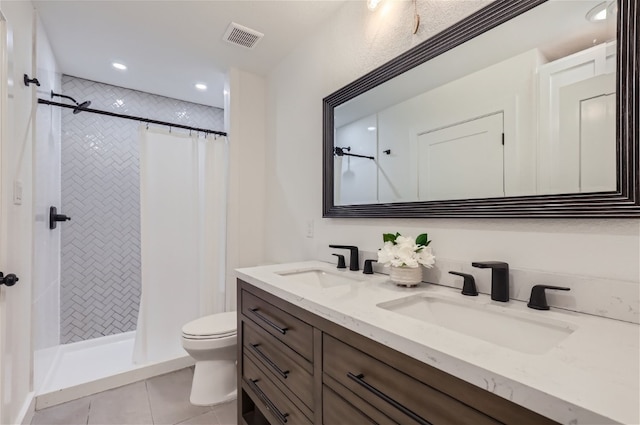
(590, 377)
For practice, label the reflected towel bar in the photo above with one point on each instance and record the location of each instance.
(341, 152)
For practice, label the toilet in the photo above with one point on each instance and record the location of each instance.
(211, 341)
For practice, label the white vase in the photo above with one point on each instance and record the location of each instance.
(406, 276)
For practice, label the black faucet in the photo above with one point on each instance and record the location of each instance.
(354, 261)
(499, 278)
(368, 266)
(341, 264)
(538, 299)
(469, 284)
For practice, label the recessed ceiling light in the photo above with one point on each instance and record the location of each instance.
(373, 4)
(601, 12)
(118, 65)
(371, 128)
(201, 86)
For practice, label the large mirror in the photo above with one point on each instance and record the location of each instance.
(525, 108)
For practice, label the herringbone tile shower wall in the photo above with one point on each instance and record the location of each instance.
(100, 252)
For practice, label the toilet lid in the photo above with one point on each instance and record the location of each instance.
(214, 326)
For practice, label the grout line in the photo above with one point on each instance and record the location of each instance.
(215, 413)
(88, 412)
(146, 388)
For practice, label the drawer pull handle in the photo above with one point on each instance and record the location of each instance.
(268, 361)
(268, 322)
(359, 379)
(282, 417)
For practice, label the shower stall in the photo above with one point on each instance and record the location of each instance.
(120, 216)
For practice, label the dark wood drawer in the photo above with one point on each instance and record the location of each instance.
(397, 395)
(336, 411)
(290, 330)
(273, 400)
(285, 365)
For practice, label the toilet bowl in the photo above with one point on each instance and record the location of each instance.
(211, 341)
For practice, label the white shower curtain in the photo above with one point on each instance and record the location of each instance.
(182, 225)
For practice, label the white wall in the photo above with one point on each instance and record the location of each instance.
(46, 187)
(245, 124)
(352, 43)
(46, 268)
(357, 178)
(17, 220)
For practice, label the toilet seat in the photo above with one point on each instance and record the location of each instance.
(215, 326)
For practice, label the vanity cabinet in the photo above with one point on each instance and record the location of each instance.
(298, 368)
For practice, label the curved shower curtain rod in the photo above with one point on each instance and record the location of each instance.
(79, 108)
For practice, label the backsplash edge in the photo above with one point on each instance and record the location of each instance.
(610, 298)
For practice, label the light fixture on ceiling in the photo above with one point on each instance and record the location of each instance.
(201, 86)
(602, 11)
(373, 4)
(118, 65)
(371, 128)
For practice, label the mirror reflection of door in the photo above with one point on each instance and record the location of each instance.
(462, 161)
(588, 131)
(574, 138)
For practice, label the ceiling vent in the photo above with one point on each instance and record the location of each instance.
(242, 36)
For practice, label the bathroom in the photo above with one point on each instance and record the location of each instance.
(278, 205)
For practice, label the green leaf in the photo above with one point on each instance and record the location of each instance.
(422, 239)
(389, 237)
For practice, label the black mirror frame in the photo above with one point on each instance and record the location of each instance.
(622, 203)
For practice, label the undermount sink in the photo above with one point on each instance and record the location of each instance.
(516, 330)
(320, 278)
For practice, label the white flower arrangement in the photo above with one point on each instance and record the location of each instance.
(404, 251)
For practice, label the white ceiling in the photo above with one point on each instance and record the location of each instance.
(169, 46)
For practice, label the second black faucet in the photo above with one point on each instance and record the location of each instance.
(354, 260)
(499, 278)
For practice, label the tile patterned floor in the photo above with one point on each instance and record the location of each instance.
(159, 400)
